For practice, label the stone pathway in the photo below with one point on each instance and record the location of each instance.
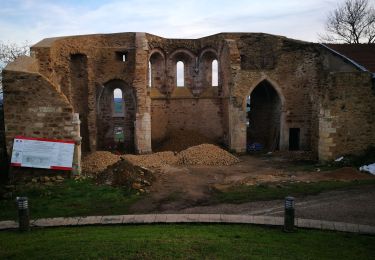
(191, 218)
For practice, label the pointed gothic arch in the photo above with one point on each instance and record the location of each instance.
(265, 116)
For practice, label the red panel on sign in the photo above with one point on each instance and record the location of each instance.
(44, 139)
(16, 164)
(61, 168)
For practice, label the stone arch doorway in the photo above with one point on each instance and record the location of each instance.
(116, 116)
(264, 117)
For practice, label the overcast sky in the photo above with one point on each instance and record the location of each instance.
(33, 20)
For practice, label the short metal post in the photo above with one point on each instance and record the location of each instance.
(23, 214)
(289, 214)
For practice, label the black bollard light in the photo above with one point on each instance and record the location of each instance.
(289, 214)
(23, 214)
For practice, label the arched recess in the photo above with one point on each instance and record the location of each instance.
(157, 70)
(116, 116)
(79, 95)
(188, 60)
(265, 116)
(206, 68)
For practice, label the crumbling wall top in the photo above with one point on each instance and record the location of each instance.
(23, 64)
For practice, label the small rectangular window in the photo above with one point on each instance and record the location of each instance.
(121, 56)
(119, 134)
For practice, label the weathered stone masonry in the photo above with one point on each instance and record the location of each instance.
(327, 100)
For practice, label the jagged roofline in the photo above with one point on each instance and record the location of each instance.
(47, 42)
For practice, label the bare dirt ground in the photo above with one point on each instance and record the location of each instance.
(179, 189)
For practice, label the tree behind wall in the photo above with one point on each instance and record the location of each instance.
(8, 53)
(351, 22)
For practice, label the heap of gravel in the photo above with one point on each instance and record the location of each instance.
(98, 161)
(206, 154)
(154, 160)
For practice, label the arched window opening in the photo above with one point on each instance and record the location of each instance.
(215, 73)
(118, 105)
(180, 74)
(149, 74)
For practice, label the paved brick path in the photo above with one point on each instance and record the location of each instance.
(191, 218)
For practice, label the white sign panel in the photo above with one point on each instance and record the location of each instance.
(42, 153)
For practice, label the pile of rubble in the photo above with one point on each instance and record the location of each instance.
(124, 174)
(136, 171)
(179, 140)
(97, 162)
(206, 154)
(155, 160)
(203, 154)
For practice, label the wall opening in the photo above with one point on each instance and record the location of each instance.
(180, 74)
(263, 109)
(149, 74)
(118, 104)
(294, 139)
(119, 134)
(116, 116)
(121, 56)
(215, 73)
(208, 75)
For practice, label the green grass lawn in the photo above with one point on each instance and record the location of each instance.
(84, 198)
(243, 193)
(71, 198)
(183, 242)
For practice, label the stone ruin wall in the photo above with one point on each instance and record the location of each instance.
(33, 107)
(197, 106)
(322, 95)
(81, 66)
(346, 116)
(291, 68)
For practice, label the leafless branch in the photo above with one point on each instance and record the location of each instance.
(351, 22)
(9, 52)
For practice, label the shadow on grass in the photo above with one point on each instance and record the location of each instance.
(268, 191)
(70, 198)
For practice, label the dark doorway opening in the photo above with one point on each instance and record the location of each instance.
(263, 109)
(294, 137)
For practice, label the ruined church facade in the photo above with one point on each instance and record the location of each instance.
(236, 88)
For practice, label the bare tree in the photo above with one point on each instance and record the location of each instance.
(351, 22)
(8, 53)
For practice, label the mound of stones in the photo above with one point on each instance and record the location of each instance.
(206, 154)
(127, 175)
(97, 162)
(155, 160)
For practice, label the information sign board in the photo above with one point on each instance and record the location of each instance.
(42, 153)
